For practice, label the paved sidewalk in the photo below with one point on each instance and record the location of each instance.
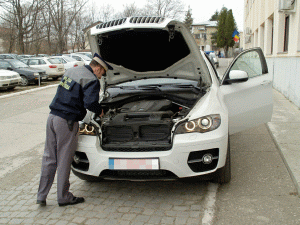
(285, 129)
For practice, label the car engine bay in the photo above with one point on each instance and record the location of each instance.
(144, 125)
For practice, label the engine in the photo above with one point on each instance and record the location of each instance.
(140, 126)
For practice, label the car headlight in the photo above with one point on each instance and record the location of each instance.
(35, 74)
(201, 125)
(3, 78)
(86, 129)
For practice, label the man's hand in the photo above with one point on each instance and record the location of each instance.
(101, 114)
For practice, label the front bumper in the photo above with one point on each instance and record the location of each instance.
(179, 160)
(10, 83)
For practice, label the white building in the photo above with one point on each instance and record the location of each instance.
(274, 25)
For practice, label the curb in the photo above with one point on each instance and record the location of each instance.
(285, 161)
(27, 91)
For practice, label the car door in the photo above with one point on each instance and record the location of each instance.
(249, 100)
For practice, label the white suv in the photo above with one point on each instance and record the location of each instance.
(167, 115)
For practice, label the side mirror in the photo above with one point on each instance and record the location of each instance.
(237, 76)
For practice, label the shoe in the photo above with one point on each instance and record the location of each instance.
(41, 202)
(74, 201)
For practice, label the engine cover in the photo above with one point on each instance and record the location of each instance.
(142, 124)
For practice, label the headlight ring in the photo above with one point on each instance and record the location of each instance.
(86, 129)
(200, 125)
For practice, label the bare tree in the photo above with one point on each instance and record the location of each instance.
(129, 10)
(8, 35)
(62, 14)
(22, 16)
(165, 8)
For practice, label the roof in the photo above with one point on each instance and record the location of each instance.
(206, 23)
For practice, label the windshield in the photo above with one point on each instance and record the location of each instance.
(69, 59)
(55, 61)
(85, 57)
(18, 64)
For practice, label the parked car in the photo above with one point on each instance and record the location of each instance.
(28, 75)
(167, 115)
(80, 57)
(89, 54)
(42, 55)
(9, 79)
(214, 59)
(8, 56)
(24, 56)
(68, 61)
(53, 67)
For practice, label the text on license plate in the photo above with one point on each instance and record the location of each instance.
(133, 164)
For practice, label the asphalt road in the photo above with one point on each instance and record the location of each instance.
(260, 192)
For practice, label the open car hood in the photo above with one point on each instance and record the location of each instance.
(148, 47)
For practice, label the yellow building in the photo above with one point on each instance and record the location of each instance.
(202, 33)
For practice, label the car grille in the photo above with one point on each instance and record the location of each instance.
(111, 23)
(146, 19)
(145, 149)
(146, 133)
(138, 174)
(138, 19)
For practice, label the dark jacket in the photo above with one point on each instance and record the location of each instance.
(78, 90)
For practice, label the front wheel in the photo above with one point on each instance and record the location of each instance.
(223, 175)
(24, 81)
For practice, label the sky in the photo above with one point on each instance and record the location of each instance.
(202, 10)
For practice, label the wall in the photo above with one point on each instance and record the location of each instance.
(267, 26)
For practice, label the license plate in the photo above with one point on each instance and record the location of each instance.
(44, 78)
(60, 69)
(133, 164)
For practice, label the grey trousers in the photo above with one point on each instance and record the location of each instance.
(58, 155)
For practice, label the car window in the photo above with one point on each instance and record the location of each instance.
(250, 63)
(76, 57)
(18, 64)
(42, 62)
(69, 59)
(4, 65)
(85, 57)
(55, 61)
(25, 61)
(33, 62)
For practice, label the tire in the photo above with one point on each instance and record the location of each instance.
(11, 88)
(24, 81)
(223, 175)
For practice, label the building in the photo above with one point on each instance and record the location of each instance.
(274, 25)
(202, 33)
(85, 31)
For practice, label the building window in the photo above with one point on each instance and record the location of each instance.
(197, 36)
(286, 33)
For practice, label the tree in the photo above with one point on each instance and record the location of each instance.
(22, 16)
(63, 14)
(215, 16)
(165, 8)
(226, 26)
(188, 21)
(129, 10)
